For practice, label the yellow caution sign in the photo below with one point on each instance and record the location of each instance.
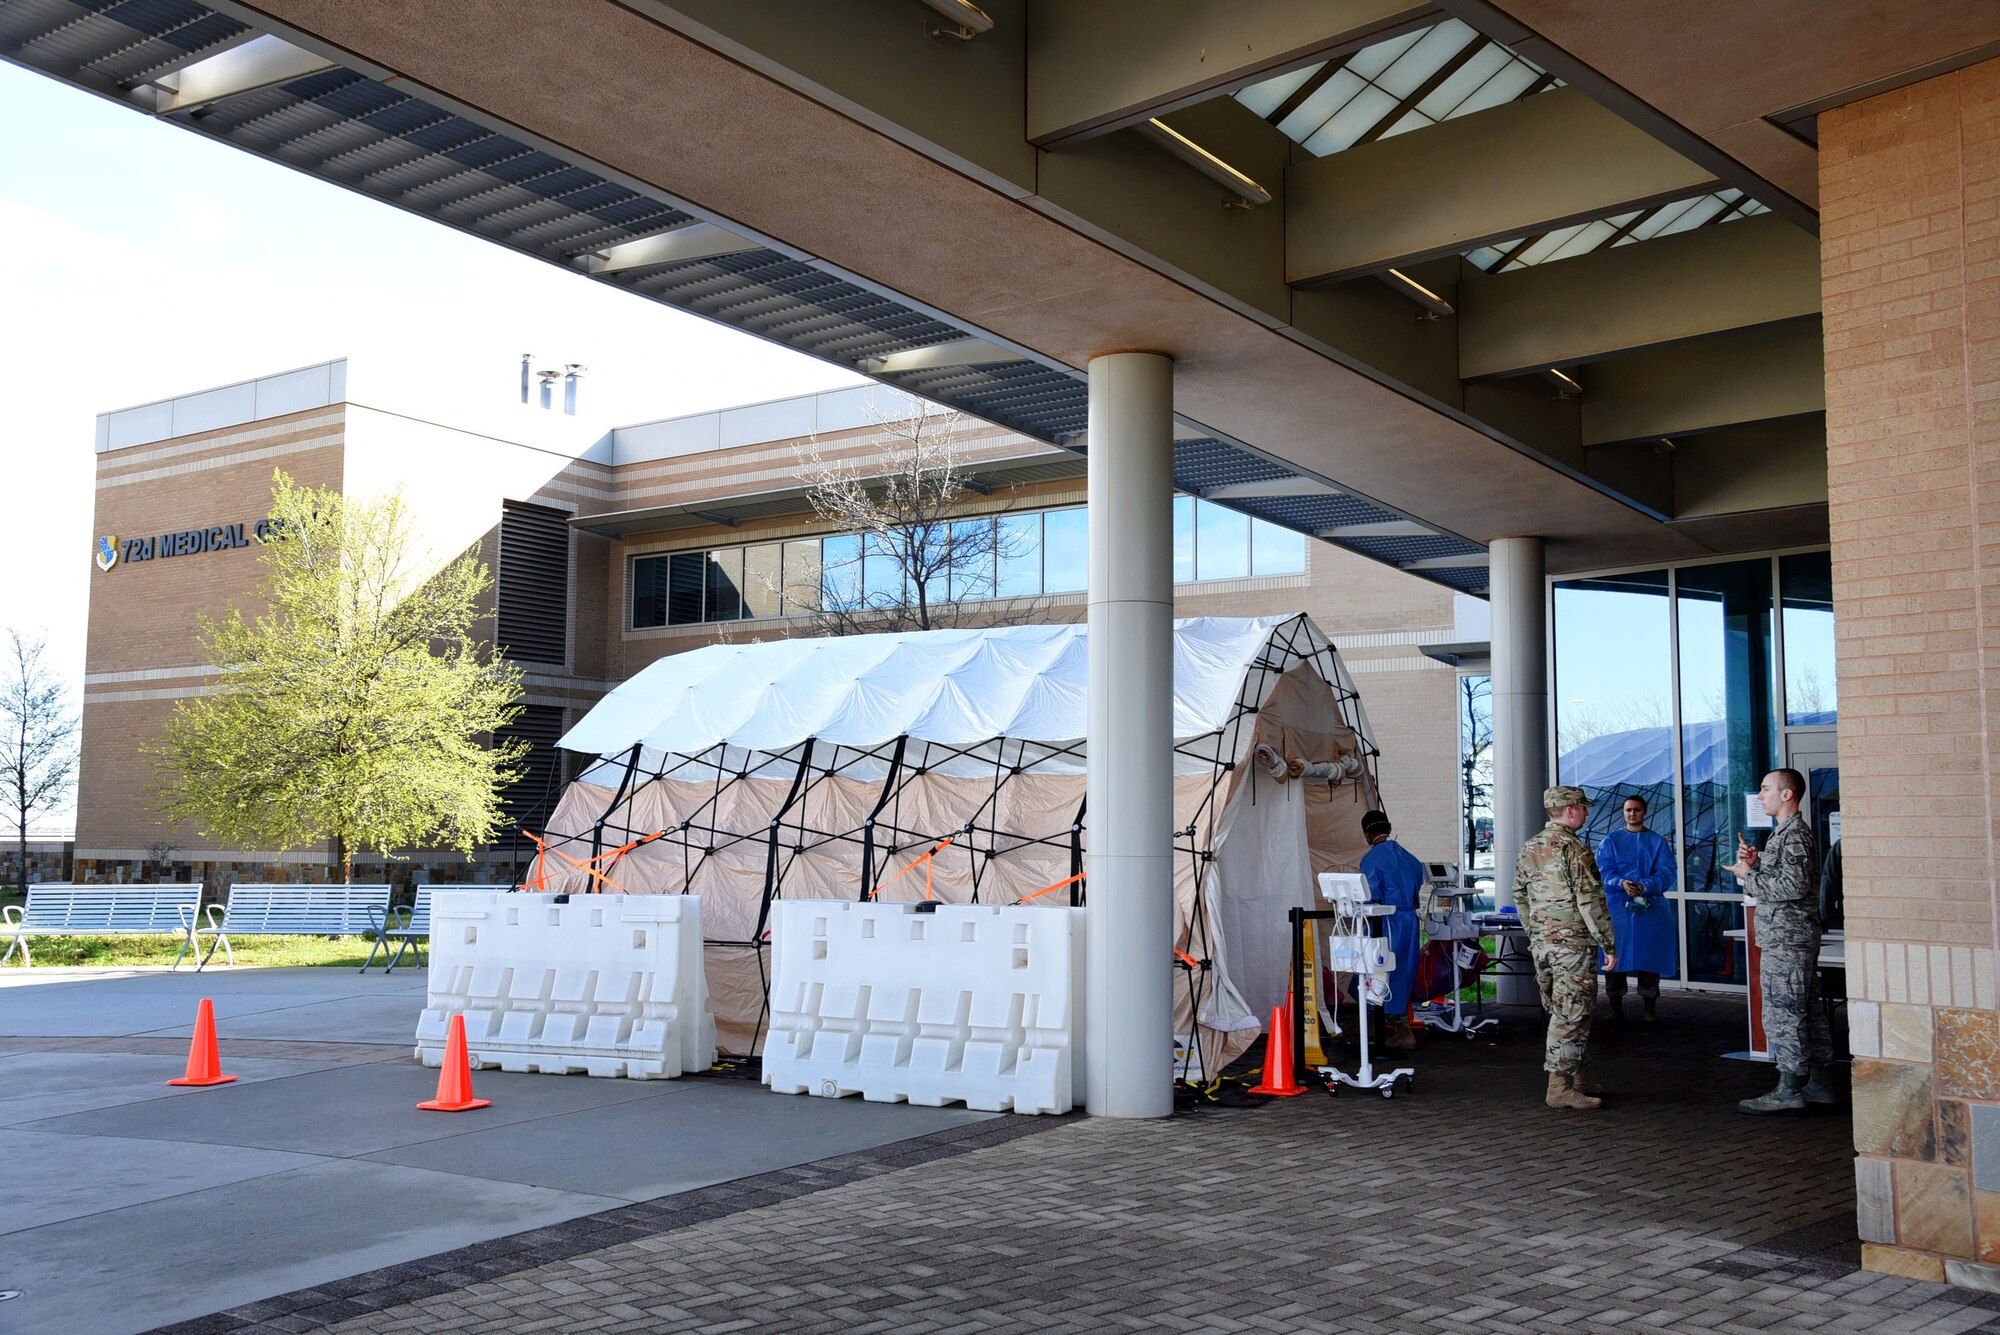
(1309, 1004)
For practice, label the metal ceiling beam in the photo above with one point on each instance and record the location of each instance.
(1749, 375)
(1523, 168)
(958, 352)
(1386, 528)
(1098, 67)
(1277, 486)
(695, 241)
(263, 62)
(1689, 285)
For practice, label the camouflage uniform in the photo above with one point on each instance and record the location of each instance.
(1786, 891)
(1562, 901)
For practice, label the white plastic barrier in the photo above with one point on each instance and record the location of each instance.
(603, 984)
(971, 1003)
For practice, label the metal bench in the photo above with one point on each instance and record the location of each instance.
(413, 926)
(295, 910)
(62, 909)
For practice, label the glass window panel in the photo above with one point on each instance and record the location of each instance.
(725, 585)
(840, 573)
(1276, 551)
(649, 592)
(1487, 256)
(1314, 112)
(1370, 61)
(926, 558)
(1694, 215)
(1266, 97)
(1586, 239)
(1415, 120)
(882, 574)
(1614, 695)
(1183, 539)
(1464, 81)
(1723, 613)
(763, 580)
(1512, 81)
(805, 570)
(1018, 544)
(1547, 246)
(971, 560)
(1222, 542)
(1711, 956)
(1811, 697)
(1408, 72)
(684, 583)
(1663, 219)
(1350, 122)
(1065, 550)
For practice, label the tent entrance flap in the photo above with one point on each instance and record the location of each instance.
(826, 769)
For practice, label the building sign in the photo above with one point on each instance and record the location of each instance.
(187, 542)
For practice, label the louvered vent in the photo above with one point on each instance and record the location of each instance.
(534, 584)
(530, 799)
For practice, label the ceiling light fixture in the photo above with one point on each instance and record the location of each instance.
(1407, 286)
(970, 18)
(1215, 169)
(1566, 387)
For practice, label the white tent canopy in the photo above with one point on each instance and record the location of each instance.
(827, 768)
(971, 691)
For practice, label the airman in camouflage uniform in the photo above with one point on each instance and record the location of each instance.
(1784, 883)
(1562, 901)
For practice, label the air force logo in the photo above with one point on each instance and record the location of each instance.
(107, 551)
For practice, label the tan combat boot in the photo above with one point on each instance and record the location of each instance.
(1399, 1037)
(1563, 1093)
(1583, 1082)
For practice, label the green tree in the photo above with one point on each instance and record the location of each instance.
(357, 707)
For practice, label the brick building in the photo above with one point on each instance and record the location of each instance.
(614, 547)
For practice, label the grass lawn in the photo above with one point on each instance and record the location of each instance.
(116, 952)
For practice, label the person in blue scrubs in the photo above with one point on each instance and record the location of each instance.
(1638, 870)
(1396, 878)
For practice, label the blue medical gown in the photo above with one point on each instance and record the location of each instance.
(1396, 877)
(1649, 938)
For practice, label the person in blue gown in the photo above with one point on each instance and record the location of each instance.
(1396, 878)
(1638, 870)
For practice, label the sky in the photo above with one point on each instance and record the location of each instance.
(143, 261)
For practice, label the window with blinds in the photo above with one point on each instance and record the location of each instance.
(534, 584)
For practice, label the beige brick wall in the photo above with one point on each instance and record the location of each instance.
(1911, 253)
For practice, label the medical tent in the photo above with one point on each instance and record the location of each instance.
(950, 764)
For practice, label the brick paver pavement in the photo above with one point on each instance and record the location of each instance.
(1464, 1207)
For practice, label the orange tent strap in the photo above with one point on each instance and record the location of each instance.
(1050, 889)
(1186, 958)
(924, 862)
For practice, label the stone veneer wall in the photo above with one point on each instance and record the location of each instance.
(1910, 231)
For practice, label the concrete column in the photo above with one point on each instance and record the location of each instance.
(1520, 716)
(1128, 996)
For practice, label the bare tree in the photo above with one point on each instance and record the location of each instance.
(930, 537)
(1475, 717)
(38, 748)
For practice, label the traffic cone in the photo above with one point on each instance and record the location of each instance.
(1278, 1060)
(455, 1076)
(204, 1058)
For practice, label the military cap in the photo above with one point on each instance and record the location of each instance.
(1563, 795)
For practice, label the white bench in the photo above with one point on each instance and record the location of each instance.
(62, 909)
(296, 910)
(413, 926)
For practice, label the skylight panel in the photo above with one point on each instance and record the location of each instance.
(1266, 97)
(1465, 81)
(1370, 105)
(1390, 83)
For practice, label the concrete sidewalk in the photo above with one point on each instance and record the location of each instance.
(132, 1205)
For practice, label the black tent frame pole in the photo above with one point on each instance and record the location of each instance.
(889, 784)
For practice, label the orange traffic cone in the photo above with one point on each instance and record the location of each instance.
(455, 1076)
(204, 1058)
(1278, 1060)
